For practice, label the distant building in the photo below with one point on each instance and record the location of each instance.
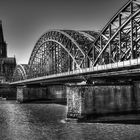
(7, 64)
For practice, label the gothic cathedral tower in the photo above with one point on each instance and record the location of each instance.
(7, 64)
(3, 45)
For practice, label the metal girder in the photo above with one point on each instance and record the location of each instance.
(84, 39)
(20, 72)
(57, 47)
(56, 35)
(55, 39)
(92, 38)
(111, 39)
(60, 51)
(51, 40)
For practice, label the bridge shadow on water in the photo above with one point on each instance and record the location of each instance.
(129, 117)
(48, 101)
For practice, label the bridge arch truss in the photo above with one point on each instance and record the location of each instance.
(59, 51)
(120, 38)
(20, 72)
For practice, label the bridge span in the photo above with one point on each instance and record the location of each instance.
(108, 62)
(126, 70)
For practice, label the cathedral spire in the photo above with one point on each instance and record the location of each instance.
(3, 45)
(1, 33)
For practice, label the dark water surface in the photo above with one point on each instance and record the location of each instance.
(45, 122)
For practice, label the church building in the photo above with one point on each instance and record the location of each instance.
(7, 64)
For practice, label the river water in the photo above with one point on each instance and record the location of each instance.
(46, 122)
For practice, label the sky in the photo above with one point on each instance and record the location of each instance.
(24, 21)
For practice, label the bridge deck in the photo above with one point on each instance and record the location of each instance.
(100, 70)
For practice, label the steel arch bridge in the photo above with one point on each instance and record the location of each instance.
(119, 40)
(60, 51)
(20, 72)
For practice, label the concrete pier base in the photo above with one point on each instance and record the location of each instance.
(8, 92)
(96, 100)
(27, 94)
(48, 93)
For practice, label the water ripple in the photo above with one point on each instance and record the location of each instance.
(47, 122)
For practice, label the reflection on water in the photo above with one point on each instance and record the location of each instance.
(46, 122)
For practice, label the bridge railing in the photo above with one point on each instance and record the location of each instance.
(128, 63)
(116, 65)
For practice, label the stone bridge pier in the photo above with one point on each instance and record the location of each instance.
(87, 100)
(90, 100)
(55, 93)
